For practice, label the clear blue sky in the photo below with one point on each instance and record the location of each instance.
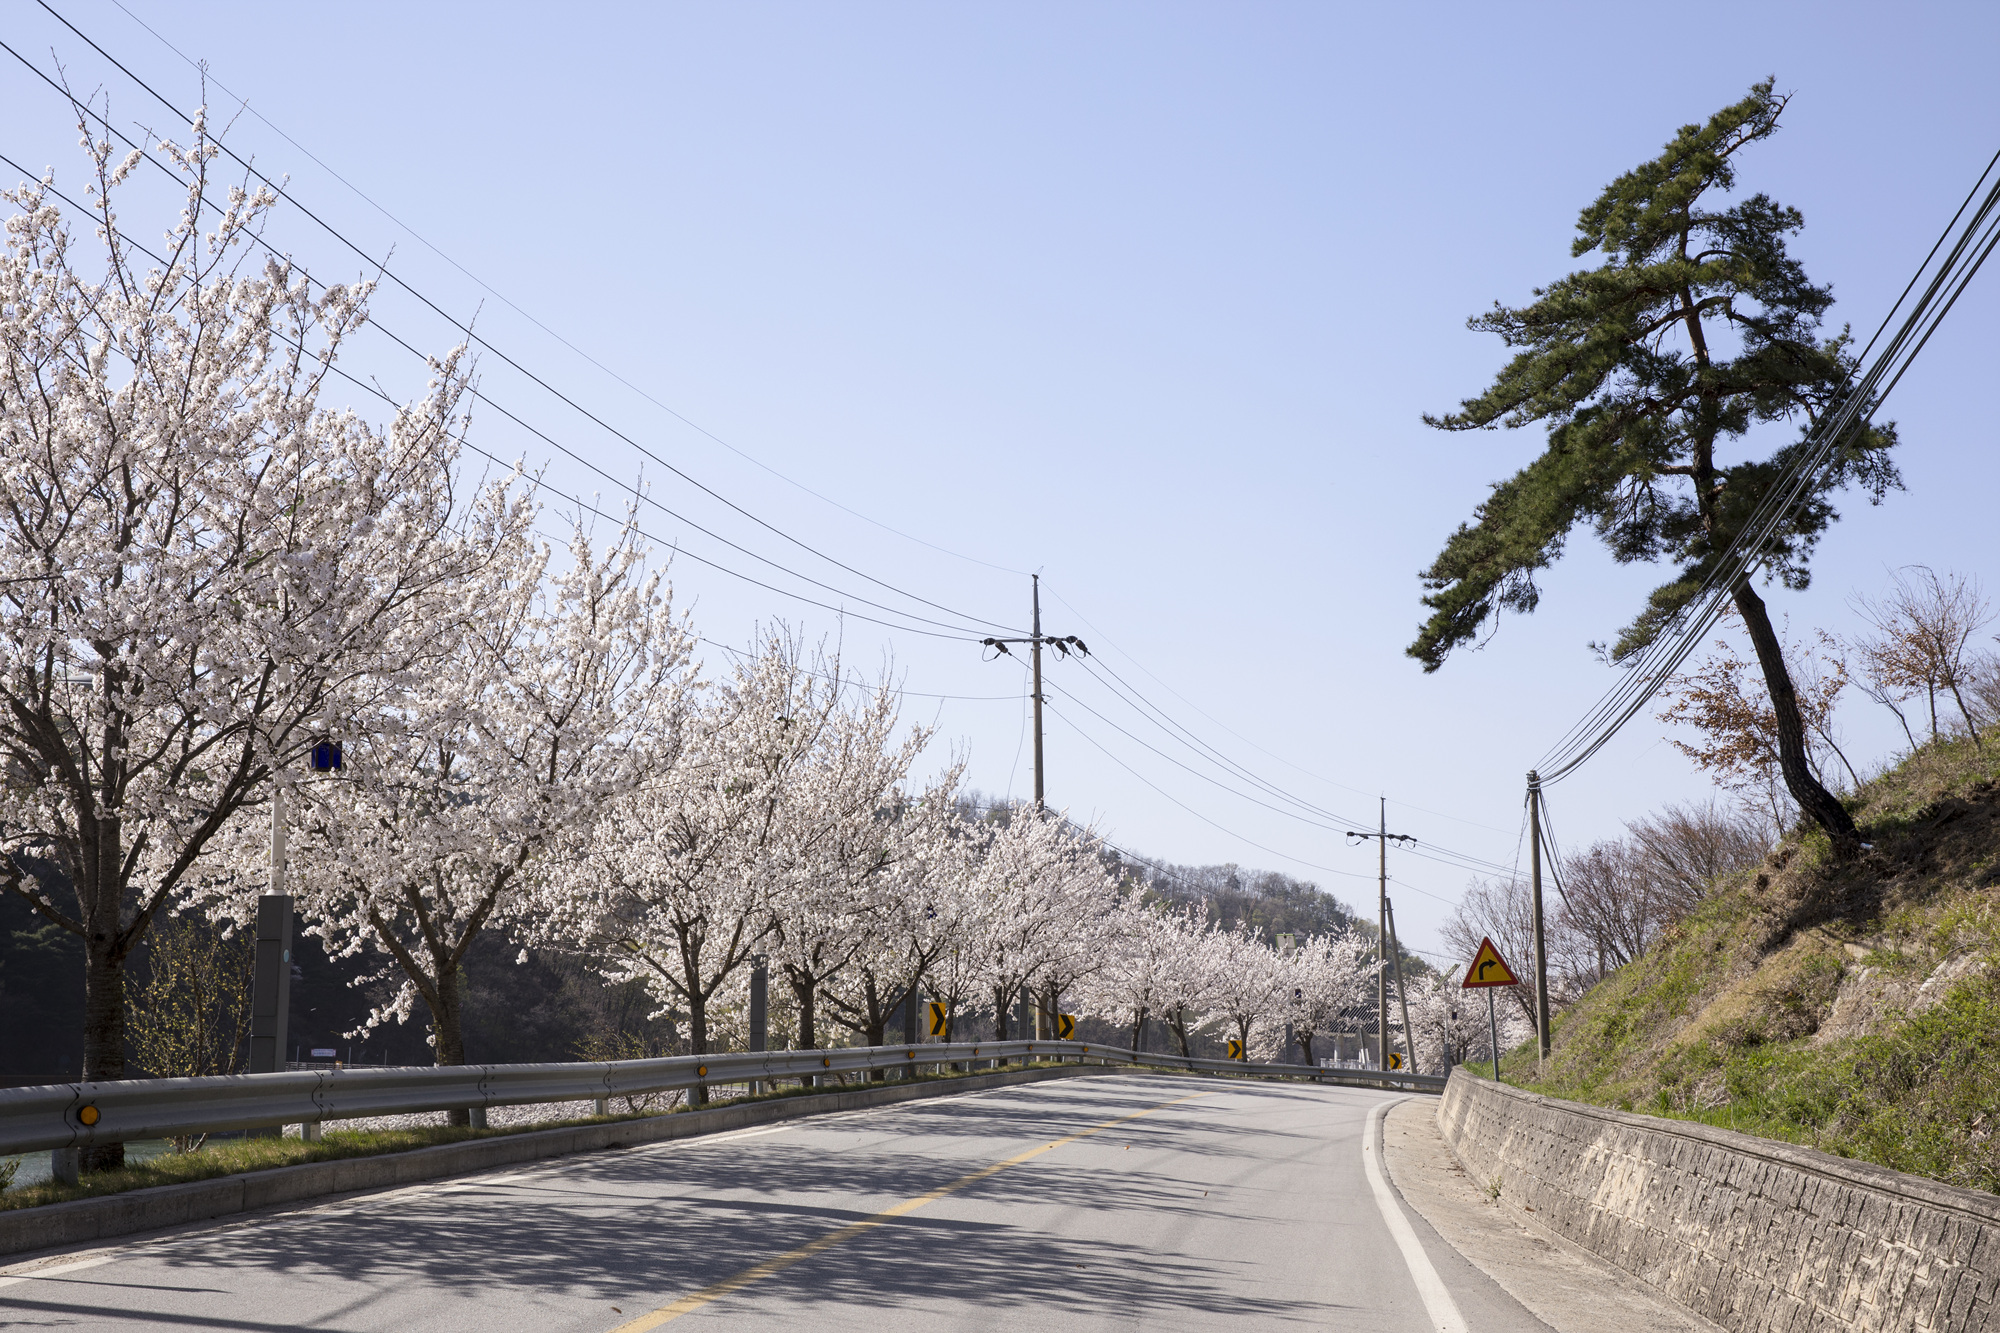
(1146, 297)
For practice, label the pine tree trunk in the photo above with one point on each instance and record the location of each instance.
(1816, 801)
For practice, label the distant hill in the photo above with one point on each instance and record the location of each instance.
(1854, 1009)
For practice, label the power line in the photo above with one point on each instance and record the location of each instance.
(517, 309)
(543, 486)
(1231, 832)
(638, 494)
(1196, 813)
(1317, 777)
(467, 331)
(1159, 717)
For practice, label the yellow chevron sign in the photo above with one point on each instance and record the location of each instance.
(1395, 1059)
(1065, 1027)
(937, 1018)
(1236, 1049)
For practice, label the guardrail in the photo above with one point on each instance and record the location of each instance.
(77, 1115)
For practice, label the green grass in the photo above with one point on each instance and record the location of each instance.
(1731, 1018)
(233, 1156)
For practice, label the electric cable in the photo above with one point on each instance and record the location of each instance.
(1316, 814)
(1224, 829)
(642, 496)
(467, 331)
(582, 505)
(1101, 636)
(502, 297)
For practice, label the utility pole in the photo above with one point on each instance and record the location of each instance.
(1402, 996)
(1535, 883)
(1063, 644)
(1383, 839)
(1035, 632)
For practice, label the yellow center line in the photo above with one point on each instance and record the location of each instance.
(695, 1300)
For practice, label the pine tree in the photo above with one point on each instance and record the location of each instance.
(1697, 327)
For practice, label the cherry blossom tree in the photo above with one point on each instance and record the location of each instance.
(1043, 884)
(840, 859)
(203, 565)
(919, 914)
(1142, 946)
(675, 884)
(956, 973)
(1247, 983)
(1189, 987)
(561, 692)
(1330, 979)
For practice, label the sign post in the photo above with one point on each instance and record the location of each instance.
(1488, 972)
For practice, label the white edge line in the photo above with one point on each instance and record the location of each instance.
(1438, 1304)
(56, 1270)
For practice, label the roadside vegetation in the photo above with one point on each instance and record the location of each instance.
(1850, 1007)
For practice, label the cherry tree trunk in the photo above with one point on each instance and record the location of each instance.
(698, 1041)
(448, 1030)
(877, 1027)
(806, 992)
(1139, 1029)
(1819, 804)
(100, 895)
(103, 1031)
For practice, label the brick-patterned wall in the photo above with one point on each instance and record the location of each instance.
(1751, 1233)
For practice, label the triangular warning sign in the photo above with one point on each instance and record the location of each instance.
(1488, 969)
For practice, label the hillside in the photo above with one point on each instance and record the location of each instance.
(1853, 1009)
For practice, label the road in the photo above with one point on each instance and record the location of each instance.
(1117, 1202)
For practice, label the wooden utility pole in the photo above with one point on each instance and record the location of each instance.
(1384, 838)
(1402, 996)
(1535, 884)
(1063, 644)
(1382, 937)
(1035, 653)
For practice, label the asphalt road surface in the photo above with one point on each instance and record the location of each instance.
(1116, 1202)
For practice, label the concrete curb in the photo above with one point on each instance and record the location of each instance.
(82, 1220)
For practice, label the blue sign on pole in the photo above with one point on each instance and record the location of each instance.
(325, 757)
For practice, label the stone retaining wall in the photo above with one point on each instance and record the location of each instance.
(1750, 1233)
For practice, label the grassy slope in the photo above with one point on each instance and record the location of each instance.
(1853, 1009)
